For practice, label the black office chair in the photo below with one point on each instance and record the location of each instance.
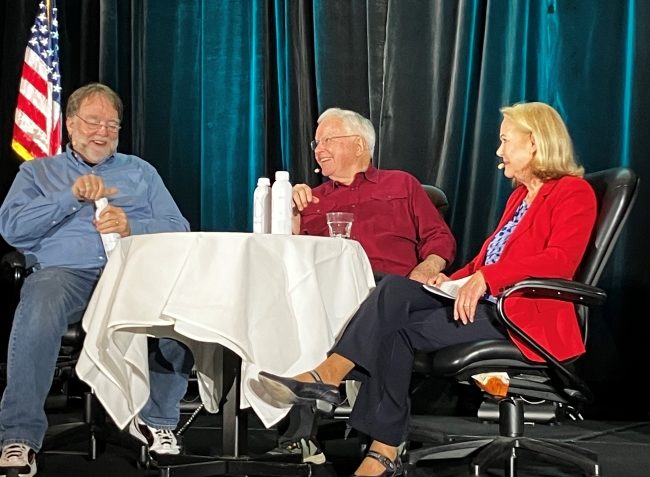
(546, 392)
(438, 198)
(14, 271)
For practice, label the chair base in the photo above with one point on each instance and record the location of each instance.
(91, 429)
(507, 447)
(547, 412)
(507, 450)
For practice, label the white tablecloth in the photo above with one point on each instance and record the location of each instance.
(278, 301)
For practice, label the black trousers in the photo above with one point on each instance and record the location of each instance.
(301, 422)
(398, 319)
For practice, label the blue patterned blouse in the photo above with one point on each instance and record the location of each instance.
(495, 248)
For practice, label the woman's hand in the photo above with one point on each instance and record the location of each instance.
(468, 296)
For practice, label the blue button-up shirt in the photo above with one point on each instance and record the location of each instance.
(42, 218)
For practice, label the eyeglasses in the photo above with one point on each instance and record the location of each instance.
(94, 125)
(325, 141)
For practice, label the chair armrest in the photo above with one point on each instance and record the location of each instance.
(557, 289)
(14, 263)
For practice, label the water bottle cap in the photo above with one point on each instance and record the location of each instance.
(282, 175)
(263, 181)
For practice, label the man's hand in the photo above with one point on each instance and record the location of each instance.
(302, 197)
(438, 279)
(113, 220)
(428, 269)
(91, 187)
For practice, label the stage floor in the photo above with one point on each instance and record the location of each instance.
(623, 447)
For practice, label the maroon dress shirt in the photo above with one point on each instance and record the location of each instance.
(394, 220)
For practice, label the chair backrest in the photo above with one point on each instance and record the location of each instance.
(616, 190)
(13, 272)
(438, 198)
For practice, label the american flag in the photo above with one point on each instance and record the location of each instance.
(37, 125)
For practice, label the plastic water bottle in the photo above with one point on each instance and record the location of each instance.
(262, 206)
(108, 240)
(281, 204)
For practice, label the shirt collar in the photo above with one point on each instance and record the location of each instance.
(371, 174)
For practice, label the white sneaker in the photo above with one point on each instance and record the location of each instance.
(159, 441)
(18, 460)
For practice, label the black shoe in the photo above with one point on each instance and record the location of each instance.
(393, 467)
(304, 450)
(290, 391)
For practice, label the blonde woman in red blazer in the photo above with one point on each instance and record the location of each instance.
(543, 233)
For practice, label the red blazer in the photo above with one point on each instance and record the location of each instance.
(549, 242)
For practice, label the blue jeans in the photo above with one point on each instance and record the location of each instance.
(50, 300)
(170, 363)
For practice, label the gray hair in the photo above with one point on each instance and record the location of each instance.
(353, 123)
(93, 89)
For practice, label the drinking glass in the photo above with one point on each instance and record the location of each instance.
(340, 223)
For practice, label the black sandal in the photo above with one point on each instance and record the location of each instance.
(393, 468)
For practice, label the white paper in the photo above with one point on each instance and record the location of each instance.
(448, 289)
(109, 240)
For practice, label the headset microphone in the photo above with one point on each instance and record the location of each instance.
(501, 165)
(317, 170)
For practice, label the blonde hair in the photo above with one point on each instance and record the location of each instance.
(554, 157)
(353, 123)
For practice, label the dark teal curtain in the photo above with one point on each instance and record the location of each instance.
(219, 92)
(212, 90)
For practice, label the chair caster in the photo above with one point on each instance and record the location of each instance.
(408, 470)
(145, 460)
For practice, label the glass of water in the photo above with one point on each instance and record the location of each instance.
(340, 223)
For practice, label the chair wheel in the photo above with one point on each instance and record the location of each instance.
(144, 459)
(408, 470)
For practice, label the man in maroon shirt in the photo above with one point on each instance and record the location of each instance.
(395, 222)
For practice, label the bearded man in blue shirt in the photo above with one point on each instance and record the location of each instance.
(50, 216)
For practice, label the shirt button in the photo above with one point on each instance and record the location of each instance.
(100, 257)
(54, 222)
(74, 208)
